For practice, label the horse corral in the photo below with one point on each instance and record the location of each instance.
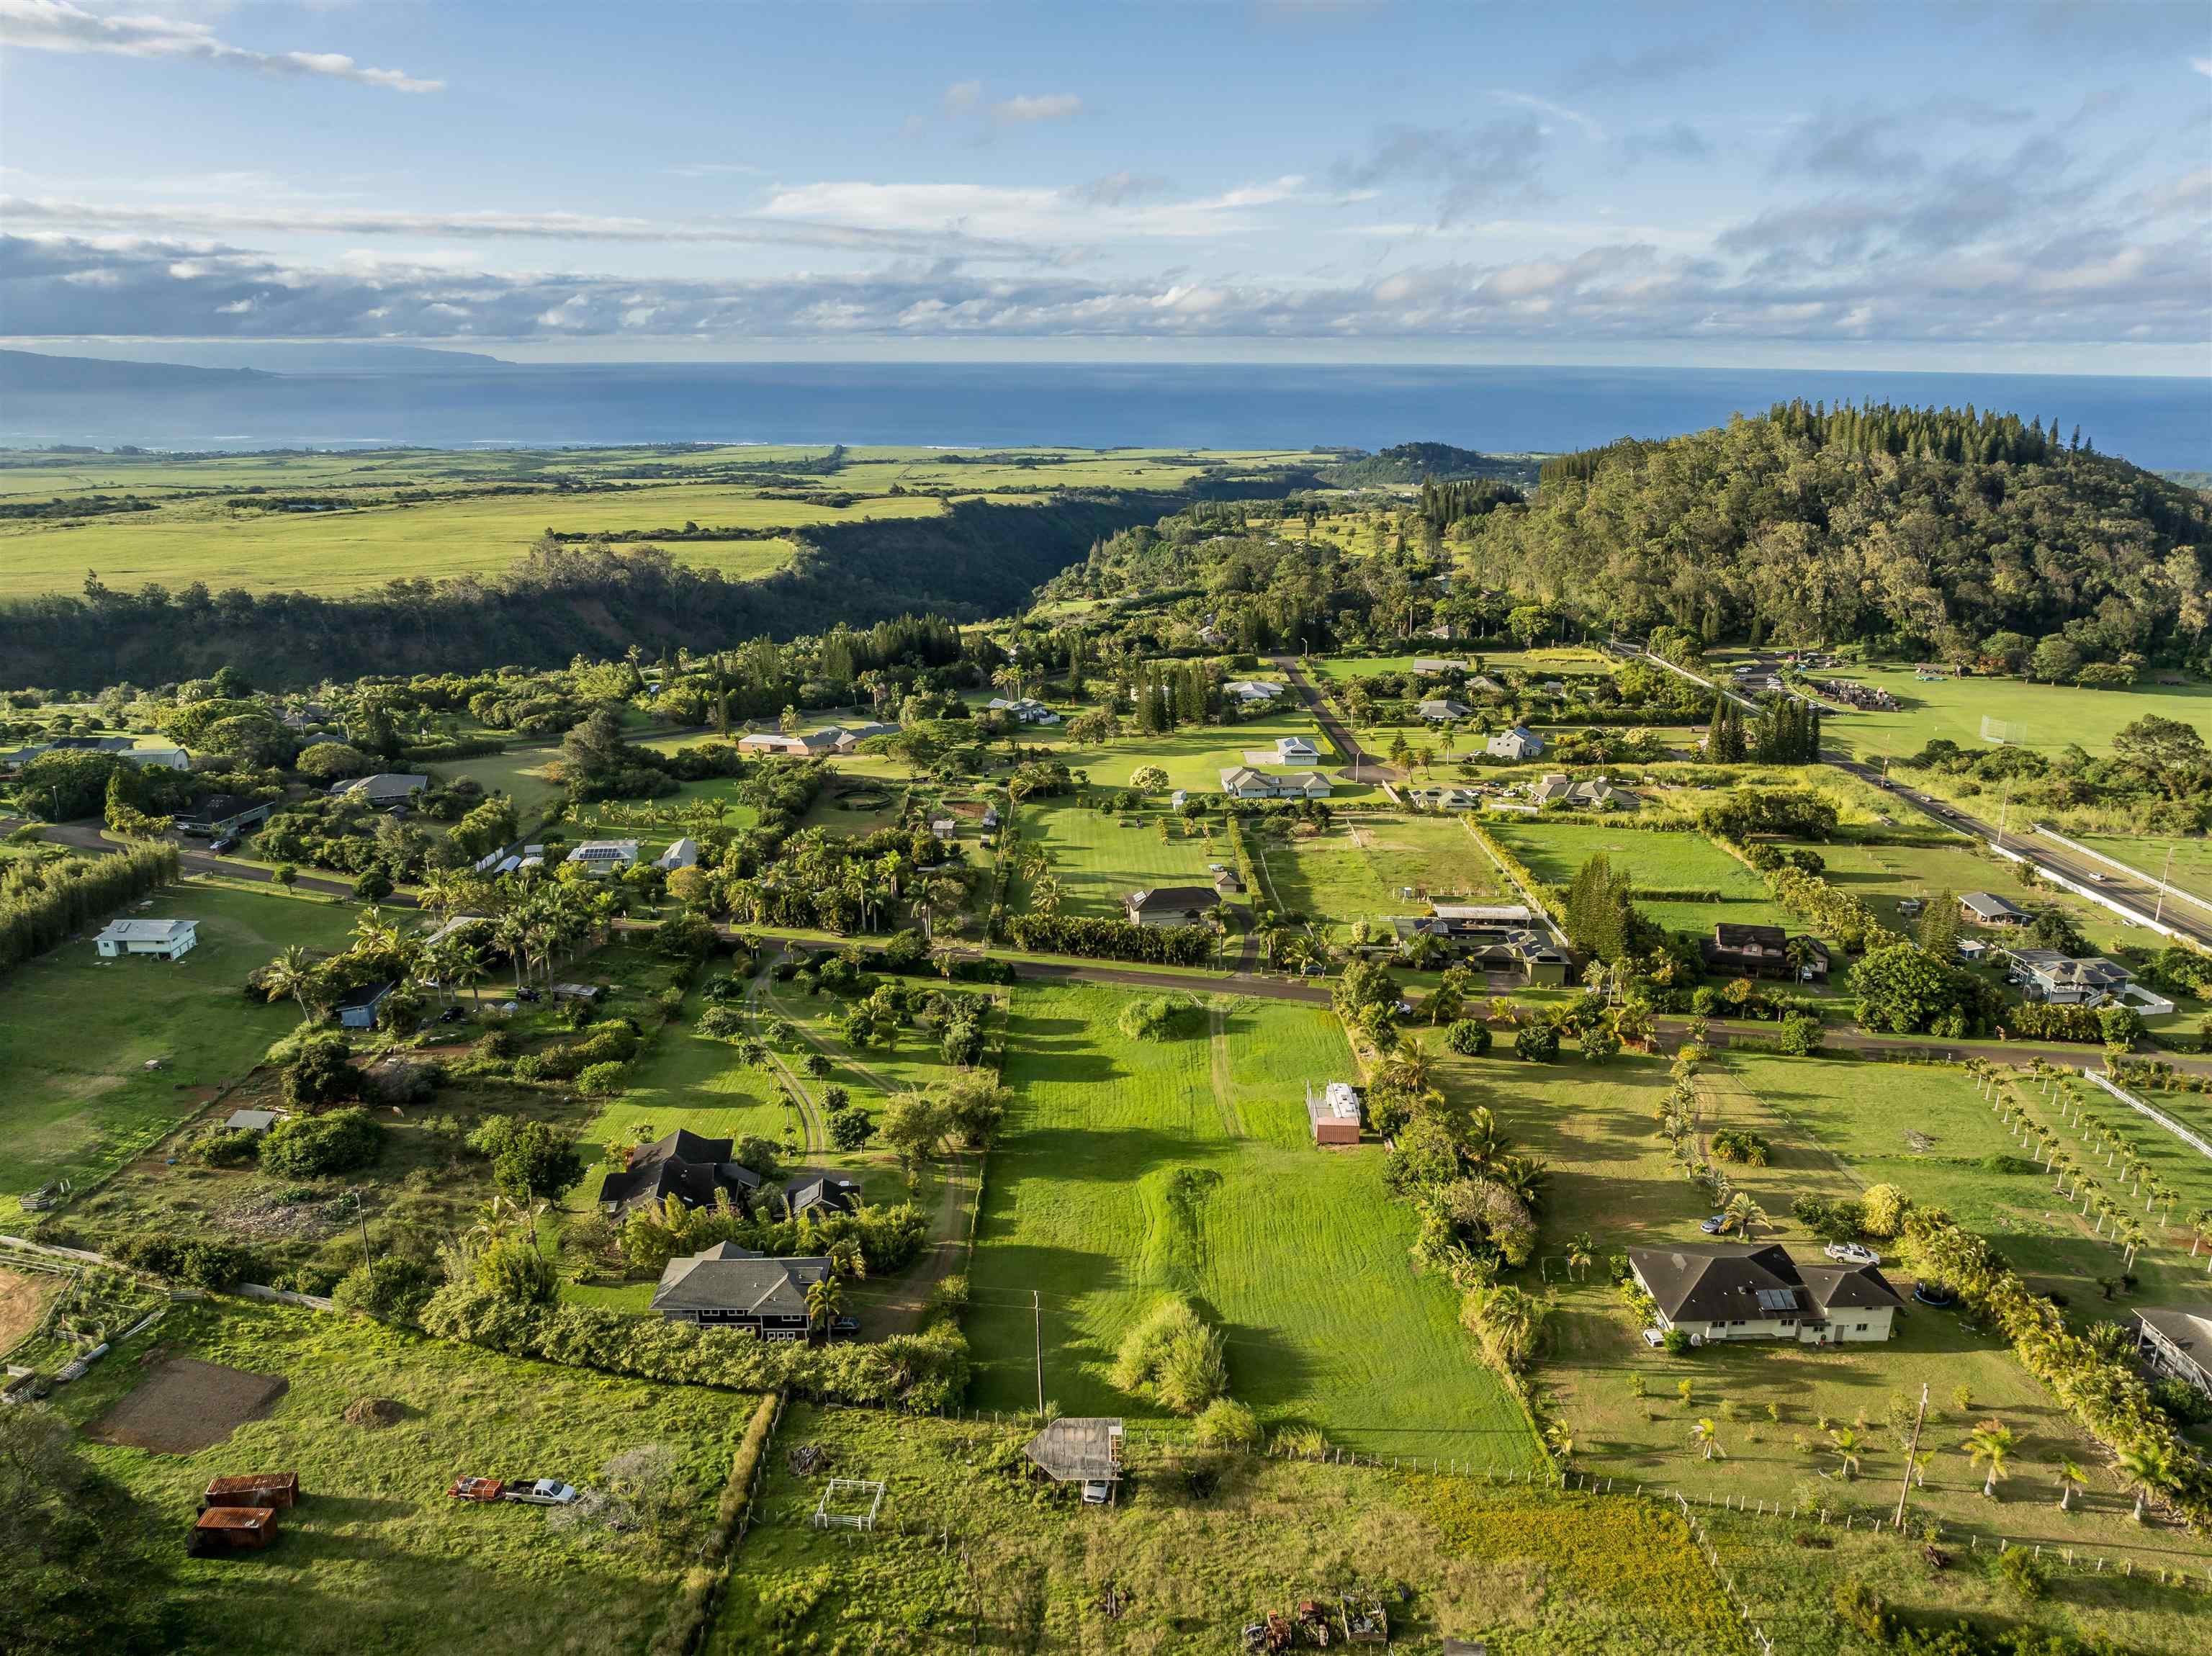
(849, 1503)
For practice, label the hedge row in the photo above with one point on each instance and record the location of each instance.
(1112, 940)
(42, 904)
(925, 1371)
(2103, 1393)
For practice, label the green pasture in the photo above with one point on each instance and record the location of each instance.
(524, 774)
(1835, 1126)
(2189, 870)
(1099, 856)
(2048, 716)
(1655, 861)
(1130, 1168)
(1193, 1558)
(1356, 869)
(1194, 756)
(76, 1033)
(375, 1556)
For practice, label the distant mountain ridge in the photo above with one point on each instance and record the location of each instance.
(276, 356)
(1407, 464)
(30, 371)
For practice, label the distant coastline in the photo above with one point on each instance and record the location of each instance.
(2159, 423)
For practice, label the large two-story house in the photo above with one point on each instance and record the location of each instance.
(730, 1287)
(683, 1164)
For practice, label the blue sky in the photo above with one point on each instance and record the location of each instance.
(1999, 187)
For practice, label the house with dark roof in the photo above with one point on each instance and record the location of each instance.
(2051, 974)
(384, 789)
(1987, 908)
(727, 1286)
(356, 1008)
(1171, 905)
(2177, 1341)
(1731, 1292)
(692, 1169)
(820, 1194)
(220, 815)
(1763, 952)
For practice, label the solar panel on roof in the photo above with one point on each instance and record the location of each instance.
(1776, 1299)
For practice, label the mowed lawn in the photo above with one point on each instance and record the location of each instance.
(1194, 756)
(1100, 857)
(1363, 867)
(2048, 716)
(1128, 1169)
(1835, 1126)
(376, 1556)
(1655, 861)
(76, 1033)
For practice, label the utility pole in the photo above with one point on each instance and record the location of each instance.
(1036, 1311)
(362, 1219)
(1905, 1485)
(2164, 881)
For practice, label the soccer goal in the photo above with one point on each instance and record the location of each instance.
(2004, 731)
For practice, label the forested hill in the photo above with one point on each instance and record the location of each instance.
(974, 561)
(1412, 463)
(1919, 528)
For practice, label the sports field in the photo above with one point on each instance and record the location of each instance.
(2035, 715)
(1128, 1169)
(77, 1034)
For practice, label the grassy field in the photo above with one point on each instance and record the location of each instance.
(1196, 757)
(1494, 659)
(2043, 715)
(196, 534)
(1130, 1167)
(76, 1033)
(1836, 1127)
(1099, 856)
(375, 1556)
(2191, 868)
(1656, 861)
(1193, 1561)
(1358, 868)
(524, 774)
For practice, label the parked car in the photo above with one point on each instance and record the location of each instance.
(453, 1015)
(228, 842)
(1716, 1225)
(530, 994)
(1096, 1492)
(1851, 1253)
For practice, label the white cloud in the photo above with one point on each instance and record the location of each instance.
(962, 96)
(1545, 105)
(1049, 107)
(2202, 65)
(57, 26)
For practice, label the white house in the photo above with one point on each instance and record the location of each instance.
(684, 854)
(1442, 798)
(1729, 1292)
(165, 940)
(794, 747)
(1023, 710)
(605, 856)
(1171, 905)
(1519, 742)
(383, 789)
(1431, 667)
(161, 758)
(2177, 1340)
(1244, 782)
(1296, 750)
(1253, 692)
(2046, 974)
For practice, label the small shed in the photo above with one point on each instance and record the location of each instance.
(1333, 1112)
(234, 1529)
(357, 1008)
(254, 1121)
(253, 1490)
(1079, 1449)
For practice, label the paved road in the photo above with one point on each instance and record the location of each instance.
(2137, 896)
(2126, 890)
(86, 836)
(1365, 767)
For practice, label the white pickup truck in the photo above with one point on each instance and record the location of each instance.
(536, 1492)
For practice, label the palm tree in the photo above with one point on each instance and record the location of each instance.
(1579, 1251)
(2147, 1470)
(1746, 1212)
(2071, 1478)
(1990, 1444)
(1044, 894)
(1707, 1436)
(292, 973)
(373, 934)
(1847, 1445)
(824, 1300)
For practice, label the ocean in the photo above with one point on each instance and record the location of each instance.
(2160, 423)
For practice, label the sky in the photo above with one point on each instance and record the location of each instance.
(2013, 186)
